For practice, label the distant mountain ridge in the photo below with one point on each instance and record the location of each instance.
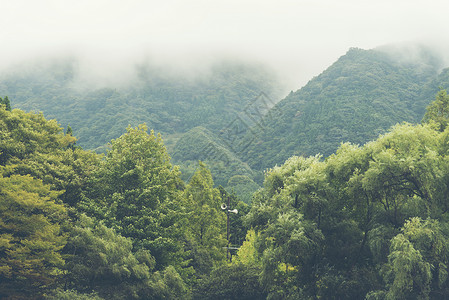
(357, 98)
(167, 102)
(227, 118)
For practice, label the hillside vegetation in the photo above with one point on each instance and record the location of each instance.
(360, 96)
(368, 222)
(226, 116)
(167, 102)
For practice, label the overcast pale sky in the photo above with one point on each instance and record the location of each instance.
(300, 38)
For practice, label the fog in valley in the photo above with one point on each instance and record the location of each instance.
(295, 39)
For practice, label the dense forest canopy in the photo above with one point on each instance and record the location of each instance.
(231, 116)
(360, 96)
(366, 219)
(366, 222)
(77, 224)
(169, 103)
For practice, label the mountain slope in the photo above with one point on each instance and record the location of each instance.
(169, 103)
(227, 169)
(360, 96)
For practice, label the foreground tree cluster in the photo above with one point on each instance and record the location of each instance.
(366, 222)
(77, 225)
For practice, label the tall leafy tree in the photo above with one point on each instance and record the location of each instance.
(136, 192)
(205, 222)
(6, 102)
(22, 135)
(33, 145)
(69, 130)
(31, 238)
(345, 213)
(103, 261)
(418, 260)
(437, 113)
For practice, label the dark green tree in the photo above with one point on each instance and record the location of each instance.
(237, 281)
(69, 130)
(437, 113)
(101, 260)
(6, 102)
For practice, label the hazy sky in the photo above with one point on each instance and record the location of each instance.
(300, 38)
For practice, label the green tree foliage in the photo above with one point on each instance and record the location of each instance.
(247, 253)
(231, 282)
(24, 134)
(98, 259)
(72, 295)
(31, 238)
(136, 192)
(417, 263)
(204, 221)
(203, 205)
(38, 147)
(360, 96)
(6, 102)
(69, 130)
(327, 226)
(437, 113)
(239, 280)
(103, 261)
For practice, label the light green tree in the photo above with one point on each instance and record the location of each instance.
(31, 237)
(30, 144)
(22, 135)
(247, 253)
(418, 260)
(204, 222)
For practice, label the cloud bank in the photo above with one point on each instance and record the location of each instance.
(299, 39)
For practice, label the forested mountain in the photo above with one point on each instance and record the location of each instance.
(222, 116)
(359, 97)
(167, 102)
(228, 170)
(366, 219)
(171, 104)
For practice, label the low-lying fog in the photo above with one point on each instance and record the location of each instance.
(296, 39)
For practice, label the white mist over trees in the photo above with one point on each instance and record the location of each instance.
(298, 39)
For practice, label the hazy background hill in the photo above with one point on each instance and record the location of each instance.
(168, 102)
(357, 98)
(226, 115)
(192, 107)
